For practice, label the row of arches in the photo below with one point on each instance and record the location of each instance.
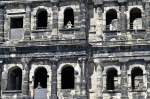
(42, 16)
(40, 78)
(112, 77)
(68, 78)
(111, 17)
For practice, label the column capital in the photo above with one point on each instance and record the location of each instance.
(81, 59)
(25, 62)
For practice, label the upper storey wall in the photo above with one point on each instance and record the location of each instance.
(44, 20)
(119, 21)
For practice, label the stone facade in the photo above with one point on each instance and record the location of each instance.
(75, 49)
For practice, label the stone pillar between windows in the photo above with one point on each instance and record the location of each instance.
(25, 79)
(123, 19)
(83, 78)
(1, 23)
(147, 19)
(99, 23)
(148, 81)
(27, 34)
(54, 34)
(54, 80)
(99, 81)
(1, 69)
(83, 27)
(124, 82)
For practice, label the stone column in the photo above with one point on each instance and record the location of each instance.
(1, 69)
(147, 19)
(124, 82)
(123, 18)
(84, 22)
(25, 79)
(99, 23)
(99, 79)
(148, 81)
(1, 23)
(83, 77)
(27, 34)
(54, 34)
(54, 79)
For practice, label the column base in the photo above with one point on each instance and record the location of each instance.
(99, 97)
(83, 97)
(124, 98)
(26, 97)
(54, 97)
(54, 37)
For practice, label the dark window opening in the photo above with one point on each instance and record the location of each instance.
(111, 74)
(16, 22)
(67, 78)
(40, 78)
(42, 19)
(110, 15)
(14, 79)
(136, 72)
(134, 14)
(69, 17)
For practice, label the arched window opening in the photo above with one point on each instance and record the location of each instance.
(135, 18)
(14, 79)
(136, 77)
(41, 19)
(40, 77)
(112, 76)
(67, 78)
(111, 20)
(68, 18)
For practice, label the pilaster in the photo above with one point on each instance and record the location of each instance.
(84, 21)
(25, 79)
(1, 23)
(147, 19)
(1, 69)
(54, 79)
(123, 18)
(27, 34)
(99, 79)
(99, 23)
(55, 31)
(148, 81)
(124, 82)
(83, 64)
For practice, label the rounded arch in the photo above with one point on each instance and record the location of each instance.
(42, 17)
(14, 78)
(136, 73)
(136, 65)
(67, 77)
(134, 14)
(110, 80)
(34, 67)
(68, 16)
(110, 15)
(111, 66)
(40, 77)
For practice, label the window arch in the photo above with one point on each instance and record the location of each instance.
(110, 16)
(40, 77)
(110, 81)
(68, 17)
(14, 79)
(67, 77)
(41, 18)
(134, 14)
(136, 74)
